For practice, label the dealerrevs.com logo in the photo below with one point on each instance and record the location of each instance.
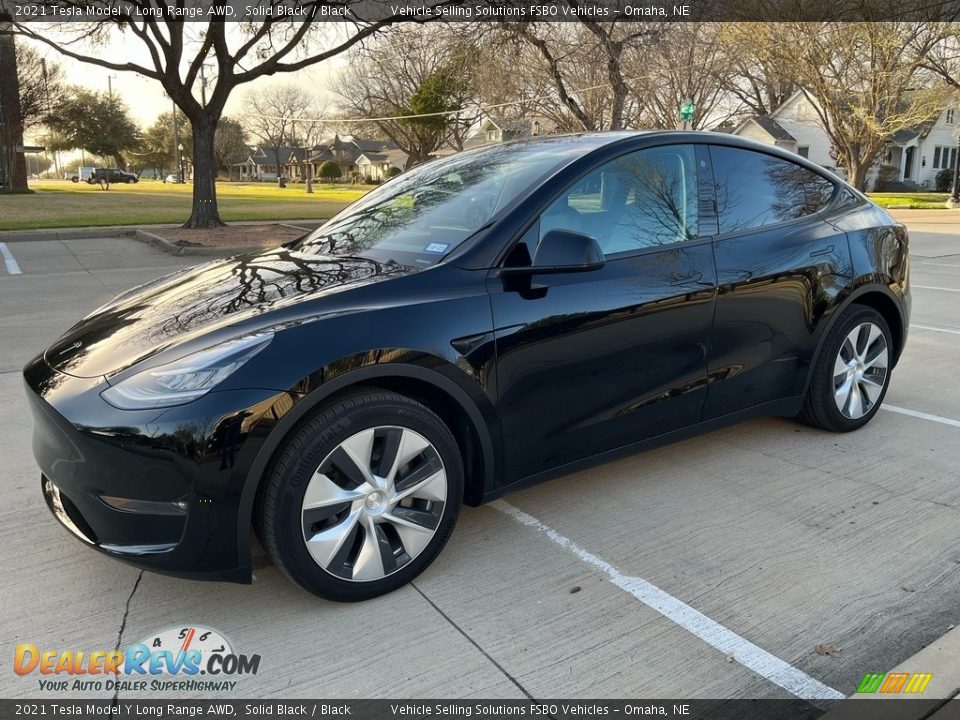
(178, 659)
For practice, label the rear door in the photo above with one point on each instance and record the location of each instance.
(592, 361)
(779, 268)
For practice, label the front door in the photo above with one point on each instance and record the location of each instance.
(597, 360)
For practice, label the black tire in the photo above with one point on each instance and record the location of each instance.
(279, 520)
(819, 408)
(75, 179)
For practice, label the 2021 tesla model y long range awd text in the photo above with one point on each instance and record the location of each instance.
(474, 325)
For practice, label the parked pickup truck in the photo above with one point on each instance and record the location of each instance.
(112, 175)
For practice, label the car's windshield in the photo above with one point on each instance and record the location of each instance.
(423, 214)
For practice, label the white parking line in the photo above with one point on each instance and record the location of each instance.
(922, 415)
(9, 260)
(710, 631)
(934, 328)
(933, 262)
(932, 287)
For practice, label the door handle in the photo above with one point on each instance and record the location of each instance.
(822, 251)
(688, 279)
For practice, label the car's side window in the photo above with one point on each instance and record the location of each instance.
(755, 189)
(645, 199)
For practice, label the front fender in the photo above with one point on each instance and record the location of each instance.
(359, 369)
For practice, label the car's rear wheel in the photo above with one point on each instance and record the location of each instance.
(852, 372)
(363, 496)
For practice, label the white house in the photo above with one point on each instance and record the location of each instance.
(377, 166)
(913, 157)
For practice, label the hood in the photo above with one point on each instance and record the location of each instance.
(182, 306)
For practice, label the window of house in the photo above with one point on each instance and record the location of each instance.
(755, 189)
(949, 116)
(936, 157)
(803, 151)
(645, 199)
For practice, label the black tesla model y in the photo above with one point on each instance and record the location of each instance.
(477, 324)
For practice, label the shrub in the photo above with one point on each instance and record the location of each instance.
(886, 176)
(330, 170)
(944, 180)
(393, 172)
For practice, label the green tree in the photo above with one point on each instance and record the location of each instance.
(13, 168)
(95, 122)
(230, 143)
(330, 170)
(158, 148)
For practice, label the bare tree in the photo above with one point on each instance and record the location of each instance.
(566, 50)
(865, 82)
(270, 115)
(425, 73)
(753, 71)
(177, 50)
(688, 64)
(307, 135)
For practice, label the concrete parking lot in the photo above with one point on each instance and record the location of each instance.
(711, 568)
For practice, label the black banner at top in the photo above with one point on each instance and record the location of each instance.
(365, 11)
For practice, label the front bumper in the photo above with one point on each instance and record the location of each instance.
(158, 489)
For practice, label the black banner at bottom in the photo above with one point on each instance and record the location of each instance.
(875, 709)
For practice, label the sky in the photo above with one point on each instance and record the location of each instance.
(147, 99)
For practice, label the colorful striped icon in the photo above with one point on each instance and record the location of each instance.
(891, 683)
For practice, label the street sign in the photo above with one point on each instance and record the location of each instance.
(686, 111)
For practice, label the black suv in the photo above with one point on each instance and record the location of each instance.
(113, 175)
(477, 324)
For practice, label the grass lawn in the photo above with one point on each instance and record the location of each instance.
(918, 201)
(59, 203)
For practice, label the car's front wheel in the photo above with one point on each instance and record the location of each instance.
(363, 496)
(852, 372)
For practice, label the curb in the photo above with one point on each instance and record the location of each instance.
(168, 247)
(65, 234)
(941, 658)
(128, 230)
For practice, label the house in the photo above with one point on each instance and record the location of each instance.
(379, 166)
(263, 163)
(912, 158)
(496, 130)
(345, 151)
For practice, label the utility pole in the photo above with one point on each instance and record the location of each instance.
(110, 86)
(954, 200)
(176, 143)
(203, 83)
(46, 93)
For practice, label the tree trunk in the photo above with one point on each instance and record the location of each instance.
(14, 166)
(309, 174)
(857, 174)
(204, 213)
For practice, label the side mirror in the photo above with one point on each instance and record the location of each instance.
(563, 251)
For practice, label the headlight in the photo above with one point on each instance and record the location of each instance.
(186, 379)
